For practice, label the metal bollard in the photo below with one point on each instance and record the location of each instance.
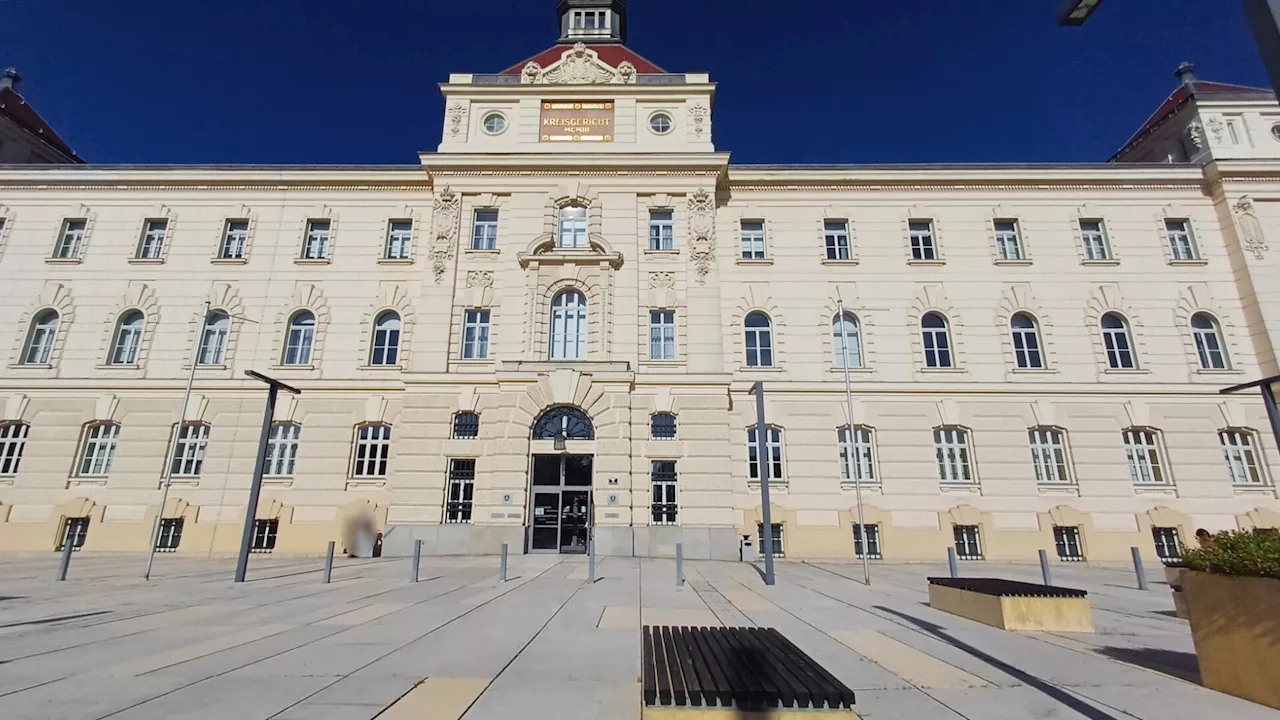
(67, 546)
(1044, 567)
(417, 557)
(679, 564)
(328, 564)
(1138, 569)
(591, 561)
(502, 568)
(951, 561)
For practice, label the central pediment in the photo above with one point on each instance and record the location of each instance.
(579, 65)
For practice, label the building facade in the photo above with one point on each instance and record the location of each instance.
(552, 327)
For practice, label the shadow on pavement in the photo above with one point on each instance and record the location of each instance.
(61, 618)
(1057, 693)
(1182, 665)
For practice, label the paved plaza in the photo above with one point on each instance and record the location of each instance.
(549, 644)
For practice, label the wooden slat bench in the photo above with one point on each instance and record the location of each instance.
(1013, 605)
(742, 670)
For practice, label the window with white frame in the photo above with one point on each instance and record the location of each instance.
(1142, 446)
(386, 339)
(70, 239)
(776, 466)
(662, 230)
(664, 506)
(857, 454)
(951, 446)
(776, 531)
(282, 449)
(569, 326)
(235, 236)
(1182, 244)
(128, 338)
(475, 335)
(573, 227)
(300, 339)
(484, 229)
(1240, 448)
(462, 487)
(968, 541)
(39, 347)
(836, 233)
(151, 246)
(662, 335)
(871, 535)
(1168, 544)
(466, 426)
(846, 340)
(590, 22)
(13, 440)
(752, 238)
(1093, 238)
(1118, 342)
(213, 344)
(99, 449)
(1049, 455)
(1067, 541)
(1008, 240)
(662, 426)
(1026, 342)
(937, 341)
(400, 240)
(264, 535)
(923, 246)
(1210, 349)
(373, 447)
(170, 535)
(759, 340)
(188, 454)
(316, 244)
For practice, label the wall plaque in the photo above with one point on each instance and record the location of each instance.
(577, 121)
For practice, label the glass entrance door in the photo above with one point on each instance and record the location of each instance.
(560, 507)
(575, 518)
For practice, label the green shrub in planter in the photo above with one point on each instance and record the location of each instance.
(1237, 553)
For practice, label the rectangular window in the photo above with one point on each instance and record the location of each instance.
(1143, 450)
(75, 531)
(1093, 235)
(662, 230)
(872, 533)
(1242, 457)
(951, 445)
(264, 535)
(70, 239)
(662, 335)
(475, 335)
(316, 246)
(753, 240)
(282, 449)
(1067, 541)
(1049, 455)
(922, 244)
(462, 477)
(778, 547)
(662, 426)
(1008, 240)
(775, 455)
(400, 240)
(1168, 546)
(664, 492)
(13, 440)
(99, 449)
(837, 237)
(466, 426)
(968, 542)
(151, 247)
(188, 456)
(170, 535)
(234, 238)
(373, 447)
(484, 230)
(1181, 242)
(856, 455)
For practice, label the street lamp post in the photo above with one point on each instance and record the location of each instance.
(1268, 399)
(251, 512)
(853, 464)
(763, 458)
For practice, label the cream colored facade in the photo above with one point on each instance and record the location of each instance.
(1231, 206)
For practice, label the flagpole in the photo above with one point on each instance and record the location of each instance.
(853, 468)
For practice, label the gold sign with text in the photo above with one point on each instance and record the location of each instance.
(577, 121)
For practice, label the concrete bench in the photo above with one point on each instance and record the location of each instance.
(1013, 605)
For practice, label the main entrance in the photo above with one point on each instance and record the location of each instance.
(560, 509)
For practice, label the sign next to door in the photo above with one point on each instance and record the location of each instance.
(577, 121)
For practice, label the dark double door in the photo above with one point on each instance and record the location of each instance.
(560, 512)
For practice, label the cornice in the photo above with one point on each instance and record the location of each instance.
(214, 177)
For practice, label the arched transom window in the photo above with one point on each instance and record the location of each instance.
(569, 423)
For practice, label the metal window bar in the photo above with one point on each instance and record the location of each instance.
(778, 546)
(264, 535)
(170, 535)
(968, 542)
(665, 508)
(662, 426)
(1168, 544)
(462, 475)
(13, 440)
(466, 426)
(1067, 542)
(873, 541)
(75, 531)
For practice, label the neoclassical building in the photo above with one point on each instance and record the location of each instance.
(552, 325)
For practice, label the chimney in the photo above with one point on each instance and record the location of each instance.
(1186, 73)
(9, 79)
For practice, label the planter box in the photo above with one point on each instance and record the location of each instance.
(1011, 605)
(1235, 623)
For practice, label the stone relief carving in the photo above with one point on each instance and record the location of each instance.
(662, 280)
(479, 278)
(457, 114)
(626, 72)
(579, 66)
(699, 113)
(702, 227)
(448, 211)
(1251, 234)
(1217, 129)
(1195, 133)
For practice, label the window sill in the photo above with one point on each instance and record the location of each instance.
(181, 482)
(755, 261)
(311, 261)
(482, 253)
(662, 253)
(381, 368)
(852, 371)
(113, 366)
(6, 481)
(1254, 490)
(1215, 371)
(211, 368)
(229, 261)
(63, 261)
(1058, 489)
(370, 483)
(1011, 262)
(1100, 263)
(872, 487)
(94, 481)
(1154, 489)
(483, 362)
(1125, 371)
(778, 485)
(1034, 371)
(31, 366)
(298, 368)
(927, 263)
(961, 488)
(395, 261)
(277, 482)
(943, 370)
(768, 369)
(839, 263)
(1188, 263)
(146, 261)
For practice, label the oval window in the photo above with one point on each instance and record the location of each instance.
(660, 123)
(494, 123)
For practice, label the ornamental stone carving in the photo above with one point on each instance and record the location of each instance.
(457, 115)
(702, 227)
(699, 113)
(1195, 133)
(579, 65)
(1251, 235)
(1217, 129)
(479, 279)
(444, 223)
(662, 280)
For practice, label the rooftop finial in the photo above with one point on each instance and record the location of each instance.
(9, 79)
(1186, 72)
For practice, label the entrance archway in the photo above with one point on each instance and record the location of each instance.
(560, 508)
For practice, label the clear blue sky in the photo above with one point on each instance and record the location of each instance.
(800, 81)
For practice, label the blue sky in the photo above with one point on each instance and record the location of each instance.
(800, 81)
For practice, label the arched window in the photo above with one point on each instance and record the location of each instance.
(1026, 342)
(1209, 345)
(213, 345)
(573, 227)
(40, 340)
(569, 326)
(662, 426)
(128, 337)
(302, 335)
(567, 422)
(759, 340)
(466, 426)
(847, 338)
(1115, 337)
(937, 341)
(386, 339)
